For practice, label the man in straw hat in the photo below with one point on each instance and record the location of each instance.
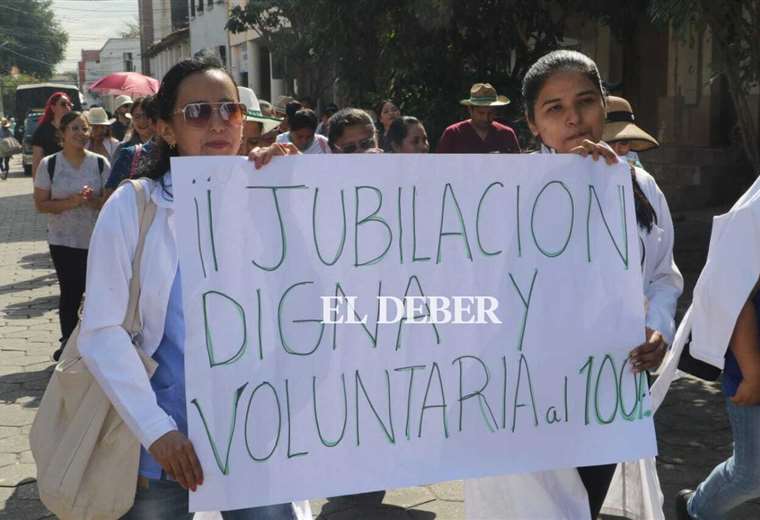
(256, 124)
(480, 133)
(622, 134)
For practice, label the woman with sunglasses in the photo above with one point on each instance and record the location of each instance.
(198, 114)
(45, 140)
(565, 106)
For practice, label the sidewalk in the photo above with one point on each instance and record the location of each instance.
(692, 428)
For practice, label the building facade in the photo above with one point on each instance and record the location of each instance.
(164, 34)
(207, 33)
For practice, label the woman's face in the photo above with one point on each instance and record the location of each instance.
(388, 114)
(216, 136)
(98, 132)
(142, 124)
(621, 147)
(61, 107)
(568, 109)
(356, 139)
(416, 140)
(76, 133)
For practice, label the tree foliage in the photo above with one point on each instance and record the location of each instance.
(424, 54)
(734, 27)
(30, 37)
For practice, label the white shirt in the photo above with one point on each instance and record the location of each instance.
(318, 145)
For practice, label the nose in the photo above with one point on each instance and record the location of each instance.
(216, 123)
(573, 116)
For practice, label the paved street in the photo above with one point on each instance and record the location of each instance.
(692, 427)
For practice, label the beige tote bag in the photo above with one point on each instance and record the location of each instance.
(87, 458)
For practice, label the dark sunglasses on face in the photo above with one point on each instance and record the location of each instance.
(360, 146)
(199, 114)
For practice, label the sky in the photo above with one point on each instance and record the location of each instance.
(90, 23)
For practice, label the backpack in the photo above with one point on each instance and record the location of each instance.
(87, 458)
(52, 160)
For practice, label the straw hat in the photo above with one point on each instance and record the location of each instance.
(98, 116)
(484, 95)
(620, 126)
(253, 112)
(5, 123)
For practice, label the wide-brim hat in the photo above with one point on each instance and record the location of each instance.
(98, 116)
(5, 123)
(620, 126)
(253, 110)
(120, 101)
(484, 95)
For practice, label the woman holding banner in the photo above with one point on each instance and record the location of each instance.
(198, 114)
(565, 106)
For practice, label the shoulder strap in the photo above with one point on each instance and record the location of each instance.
(135, 160)
(51, 166)
(146, 211)
(101, 164)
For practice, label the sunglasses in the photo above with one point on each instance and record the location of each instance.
(64, 103)
(199, 114)
(360, 146)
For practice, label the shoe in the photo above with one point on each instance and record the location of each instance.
(682, 500)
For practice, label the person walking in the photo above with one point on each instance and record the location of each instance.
(5, 158)
(122, 106)
(68, 187)
(199, 113)
(45, 139)
(480, 133)
(101, 141)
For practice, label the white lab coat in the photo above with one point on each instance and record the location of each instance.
(103, 343)
(635, 489)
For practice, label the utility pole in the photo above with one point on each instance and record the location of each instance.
(2, 84)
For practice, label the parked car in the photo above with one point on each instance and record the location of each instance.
(30, 125)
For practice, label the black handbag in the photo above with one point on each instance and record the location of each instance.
(695, 367)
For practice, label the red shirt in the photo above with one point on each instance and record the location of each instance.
(462, 138)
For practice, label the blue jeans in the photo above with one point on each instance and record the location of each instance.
(166, 500)
(737, 479)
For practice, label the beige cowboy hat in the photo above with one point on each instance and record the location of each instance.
(620, 126)
(98, 116)
(484, 95)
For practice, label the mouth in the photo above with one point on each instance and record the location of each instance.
(218, 145)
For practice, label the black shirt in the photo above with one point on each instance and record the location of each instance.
(118, 130)
(46, 137)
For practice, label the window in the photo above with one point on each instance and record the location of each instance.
(200, 6)
(192, 7)
(129, 64)
(223, 54)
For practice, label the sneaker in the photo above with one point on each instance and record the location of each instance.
(682, 501)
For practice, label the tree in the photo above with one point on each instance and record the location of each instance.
(8, 86)
(425, 54)
(30, 37)
(734, 28)
(132, 30)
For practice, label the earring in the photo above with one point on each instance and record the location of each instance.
(173, 147)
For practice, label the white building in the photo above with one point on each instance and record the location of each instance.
(164, 34)
(253, 65)
(207, 32)
(116, 55)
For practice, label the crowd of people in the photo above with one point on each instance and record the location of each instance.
(81, 159)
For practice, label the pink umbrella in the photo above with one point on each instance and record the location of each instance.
(129, 83)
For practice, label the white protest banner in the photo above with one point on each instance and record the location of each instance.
(306, 379)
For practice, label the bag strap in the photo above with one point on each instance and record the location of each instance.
(135, 160)
(146, 211)
(51, 166)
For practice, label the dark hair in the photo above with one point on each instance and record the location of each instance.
(291, 108)
(399, 129)
(562, 61)
(66, 120)
(342, 119)
(304, 118)
(548, 65)
(51, 102)
(329, 110)
(144, 103)
(163, 107)
(379, 107)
